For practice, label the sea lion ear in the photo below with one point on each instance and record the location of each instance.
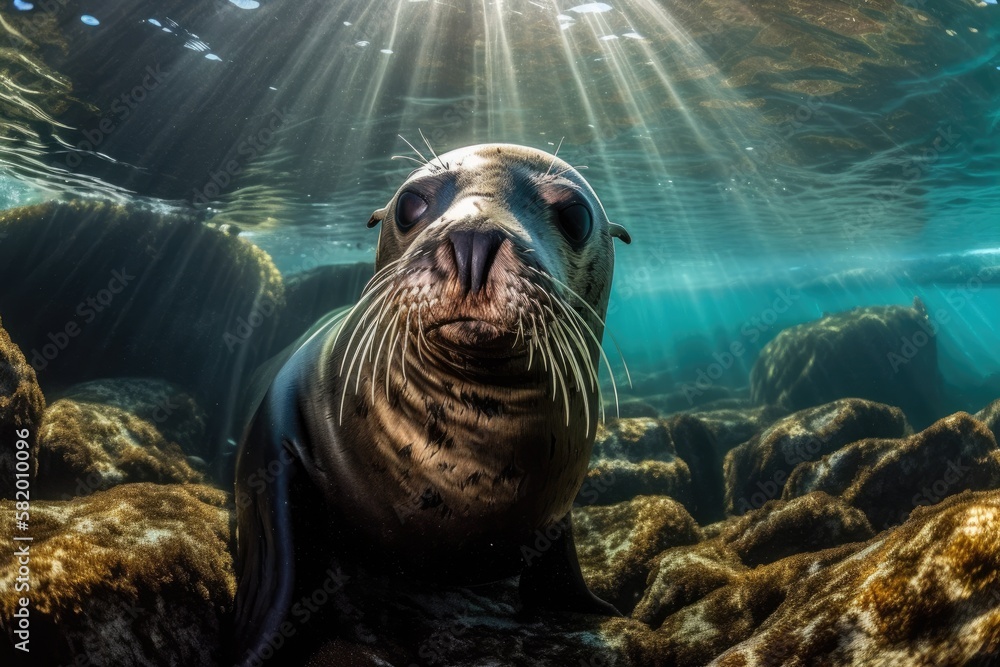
(377, 217)
(620, 232)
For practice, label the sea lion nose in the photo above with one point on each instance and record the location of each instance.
(474, 255)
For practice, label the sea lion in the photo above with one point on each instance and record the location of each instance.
(434, 427)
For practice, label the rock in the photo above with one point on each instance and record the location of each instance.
(781, 528)
(888, 478)
(683, 575)
(311, 294)
(165, 297)
(21, 408)
(696, 446)
(882, 353)
(137, 575)
(87, 447)
(615, 480)
(636, 407)
(634, 457)
(922, 594)
(614, 544)
(990, 415)
(175, 413)
(757, 470)
(699, 632)
(734, 426)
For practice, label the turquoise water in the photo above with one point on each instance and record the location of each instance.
(774, 163)
(846, 153)
(747, 150)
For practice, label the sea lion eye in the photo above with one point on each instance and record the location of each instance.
(409, 207)
(576, 222)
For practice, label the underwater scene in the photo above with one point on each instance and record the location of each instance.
(434, 333)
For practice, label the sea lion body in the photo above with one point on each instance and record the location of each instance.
(449, 416)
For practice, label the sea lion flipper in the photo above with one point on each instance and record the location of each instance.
(265, 559)
(552, 579)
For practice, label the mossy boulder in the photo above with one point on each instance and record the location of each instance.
(107, 290)
(888, 478)
(87, 447)
(757, 470)
(881, 353)
(21, 408)
(137, 575)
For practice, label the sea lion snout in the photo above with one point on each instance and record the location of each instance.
(474, 252)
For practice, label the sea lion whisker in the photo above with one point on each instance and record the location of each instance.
(594, 313)
(604, 356)
(431, 149)
(552, 359)
(520, 333)
(358, 325)
(582, 166)
(378, 321)
(545, 339)
(406, 342)
(420, 331)
(423, 335)
(535, 339)
(414, 149)
(531, 347)
(366, 338)
(554, 156)
(557, 379)
(392, 347)
(573, 334)
(575, 320)
(384, 310)
(346, 318)
(347, 378)
(408, 157)
(378, 355)
(373, 290)
(566, 358)
(559, 329)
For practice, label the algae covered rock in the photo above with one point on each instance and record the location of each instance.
(21, 408)
(733, 426)
(888, 478)
(634, 457)
(108, 290)
(176, 414)
(806, 524)
(614, 544)
(881, 353)
(87, 447)
(757, 470)
(137, 575)
(922, 594)
(990, 415)
(683, 575)
(696, 445)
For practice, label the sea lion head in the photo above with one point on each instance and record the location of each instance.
(487, 246)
